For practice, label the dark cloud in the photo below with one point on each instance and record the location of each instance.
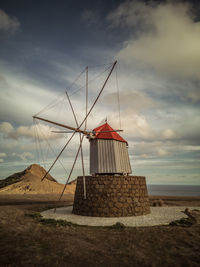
(8, 24)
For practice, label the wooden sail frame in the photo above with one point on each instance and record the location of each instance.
(77, 130)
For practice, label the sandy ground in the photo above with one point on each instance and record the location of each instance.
(26, 240)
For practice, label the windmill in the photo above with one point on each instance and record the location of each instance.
(109, 168)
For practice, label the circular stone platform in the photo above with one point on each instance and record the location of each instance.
(111, 196)
(158, 216)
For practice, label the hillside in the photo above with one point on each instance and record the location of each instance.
(17, 177)
(29, 182)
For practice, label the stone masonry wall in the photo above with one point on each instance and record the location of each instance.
(112, 196)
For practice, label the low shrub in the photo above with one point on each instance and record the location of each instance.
(185, 222)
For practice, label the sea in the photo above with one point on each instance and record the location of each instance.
(174, 190)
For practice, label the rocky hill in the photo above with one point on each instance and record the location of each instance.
(29, 182)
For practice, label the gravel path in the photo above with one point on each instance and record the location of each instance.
(158, 216)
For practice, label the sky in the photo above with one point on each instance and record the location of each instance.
(153, 93)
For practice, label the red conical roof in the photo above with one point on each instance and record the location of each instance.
(102, 132)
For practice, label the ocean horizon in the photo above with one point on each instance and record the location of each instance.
(173, 190)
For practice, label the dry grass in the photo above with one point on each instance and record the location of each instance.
(26, 241)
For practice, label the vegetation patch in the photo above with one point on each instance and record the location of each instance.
(53, 222)
(35, 215)
(49, 221)
(184, 222)
(117, 226)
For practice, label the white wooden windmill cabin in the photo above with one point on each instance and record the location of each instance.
(108, 152)
(110, 190)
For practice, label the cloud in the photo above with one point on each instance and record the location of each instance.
(160, 119)
(162, 152)
(2, 156)
(8, 24)
(136, 125)
(167, 38)
(40, 131)
(90, 16)
(173, 150)
(25, 156)
(6, 127)
(23, 97)
(168, 134)
(194, 95)
(127, 113)
(134, 100)
(130, 13)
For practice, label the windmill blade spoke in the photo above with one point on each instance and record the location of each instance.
(61, 132)
(58, 156)
(61, 125)
(86, 96)
(86, 110)
(82, 161)
(70, 103)
(74, 163)
(99, 93)
(109, 131)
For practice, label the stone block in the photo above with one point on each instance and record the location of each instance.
(129, 200)
(118, 205)
(122, 199)
(112, 196)
(110, 204)
(114, 209)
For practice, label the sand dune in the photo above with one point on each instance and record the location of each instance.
(29, 182)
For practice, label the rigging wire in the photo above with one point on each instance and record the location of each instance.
(57, 115)
(100, 65)
(90, 81)
(50, 147)
(36, 142)
(51, 103)
(77, 78)
(56, 101)
(40, 145)
(59, 155)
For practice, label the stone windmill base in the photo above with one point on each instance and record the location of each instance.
(112, 196)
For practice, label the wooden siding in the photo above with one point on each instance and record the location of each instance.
(109, 156)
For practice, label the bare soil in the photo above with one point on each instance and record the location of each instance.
(27, 241)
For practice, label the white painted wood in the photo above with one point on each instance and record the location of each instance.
(109, 157)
